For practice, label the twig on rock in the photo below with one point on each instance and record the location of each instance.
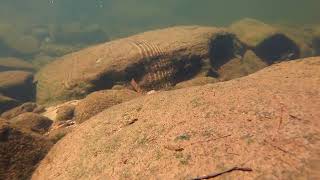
(213, 175)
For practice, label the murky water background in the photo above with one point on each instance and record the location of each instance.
(44, 29)
(127, 16)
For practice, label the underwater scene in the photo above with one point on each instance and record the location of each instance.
(150, 89)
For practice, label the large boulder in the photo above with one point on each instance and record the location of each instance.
(18, 85)
(20, 152)
(155, 59)
(267, 122)
(98, 101)
(11, 63)
(302, 35)
(269, 42)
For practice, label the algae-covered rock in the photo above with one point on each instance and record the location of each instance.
(251, 63)
(98, 101)
(239, 67)
(25, 107)
(52, 111)
(20, 152)
(268, 42)
(302, 36)
(12, 63)
(18, 85)
(263, 122)
(31, 122)
(252, 32)
(65, 112)
(155, 60)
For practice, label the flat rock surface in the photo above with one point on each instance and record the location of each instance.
(267, 121)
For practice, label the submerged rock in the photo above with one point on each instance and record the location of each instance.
(239, 67)
(7, 103)
(18, 85)
(98, 101)
(267, 121)
(26, 107)
(156, 60)
(20, 152)
(65, 112)
(11, 64)
(52, 111)
(31, 122)
(267, 41)
(252, 32)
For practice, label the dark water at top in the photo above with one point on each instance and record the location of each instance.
(45, 29)
(128, 16)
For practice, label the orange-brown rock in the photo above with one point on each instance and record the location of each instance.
(11, 63)
(155, 59)
(20, 152)
(26, 107)
(18, 85)
(269, 42)
(98, 101)
(31, 122)
(267, 121)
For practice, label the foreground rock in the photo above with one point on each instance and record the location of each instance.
(155, 59)
(98, 101)
(20, 152)
(267, 121)
(18, 85)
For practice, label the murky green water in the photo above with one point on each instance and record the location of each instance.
(125, 16)
(51, 28)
